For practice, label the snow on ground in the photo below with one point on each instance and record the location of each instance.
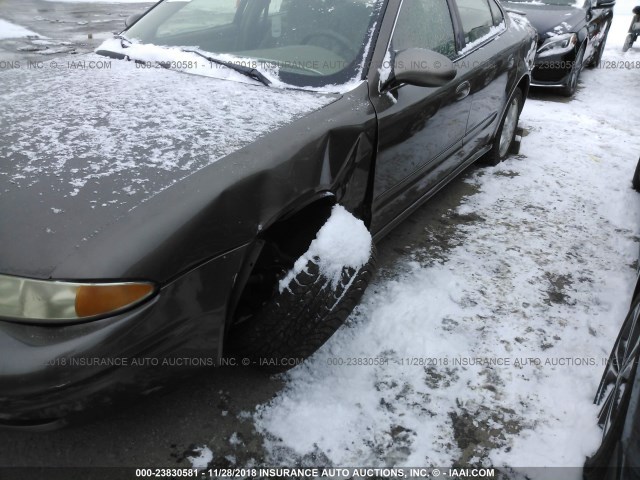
(11, 30)
(205, 456)
(538, 285)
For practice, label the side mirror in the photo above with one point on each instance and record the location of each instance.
(605, 3)
(423, 68)
(132, 19)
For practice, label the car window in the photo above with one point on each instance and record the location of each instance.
(203, 14)
(476, 18)
(308, 42)
(425, 24)
(498, 18)
(199, 15)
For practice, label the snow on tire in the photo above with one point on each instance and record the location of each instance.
(314, 298)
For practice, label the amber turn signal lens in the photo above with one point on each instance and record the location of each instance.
(94, 300)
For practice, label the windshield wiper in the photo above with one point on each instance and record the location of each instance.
(248, 71)
(122, 39)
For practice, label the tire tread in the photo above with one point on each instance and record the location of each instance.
(300, 319)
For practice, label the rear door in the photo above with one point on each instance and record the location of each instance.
(492, 55)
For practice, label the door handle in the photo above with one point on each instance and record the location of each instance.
(463, 90)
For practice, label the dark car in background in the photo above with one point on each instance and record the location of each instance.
(571, 36)
(618, 457)
(157, 209)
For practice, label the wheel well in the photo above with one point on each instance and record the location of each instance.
(273, 254)
(294, 233)
(524, 87)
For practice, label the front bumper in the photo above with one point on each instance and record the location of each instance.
(49, 374)
(553, 70)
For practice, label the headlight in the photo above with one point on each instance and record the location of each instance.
(27, 300)
(558, 44)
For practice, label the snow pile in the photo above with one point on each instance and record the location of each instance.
(205, 456)
(343, 241)
(11, 30)
(539, 278)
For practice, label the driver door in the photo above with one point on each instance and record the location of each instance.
(419, 128)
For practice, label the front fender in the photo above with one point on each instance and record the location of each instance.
(229, 202)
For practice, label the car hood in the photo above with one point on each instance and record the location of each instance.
(551, 20)
(86, 140)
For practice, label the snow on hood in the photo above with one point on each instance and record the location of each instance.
(519, 21)
(130, 131)
(343, 241)
(551, 20)
(182, 60)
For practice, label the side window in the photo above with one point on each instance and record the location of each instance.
(425, 24)
(496, 13)
(476, 19)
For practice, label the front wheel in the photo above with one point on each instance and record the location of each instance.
(506, 132)
(614, 391)
(300, 318)
(597, 57)
(628, 42)
(572, 86)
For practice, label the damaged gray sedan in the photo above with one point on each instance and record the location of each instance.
(208, 187)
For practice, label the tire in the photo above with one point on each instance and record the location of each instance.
(636, 178)
(507, 131)
(597, 58)
(571, 87)
(299, 320)
(628, 42)
(613, 419)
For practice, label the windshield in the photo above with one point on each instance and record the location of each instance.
(307, 42)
